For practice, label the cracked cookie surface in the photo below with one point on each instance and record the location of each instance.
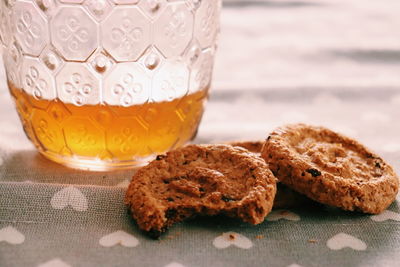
(201, 180)
(330, 168)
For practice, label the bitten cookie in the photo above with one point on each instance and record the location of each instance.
(330, 168)
(201, 180)
(285, 197)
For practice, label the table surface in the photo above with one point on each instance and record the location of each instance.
(331, 63)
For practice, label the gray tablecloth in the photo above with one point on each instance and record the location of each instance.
(54, 216)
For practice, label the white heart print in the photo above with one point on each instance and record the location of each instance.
(276, 215)
(386, 215)
(231, 238)
(69, 196)
(174, 264)
(119, 238)
(54, 263)
(343, 240)
(11, 235)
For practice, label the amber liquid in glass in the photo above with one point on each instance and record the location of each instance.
(103, 137)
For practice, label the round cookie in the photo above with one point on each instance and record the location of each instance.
(330, 168)
(201, 180)
(285, 197)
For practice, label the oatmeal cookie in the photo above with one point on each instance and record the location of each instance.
(330, 168)
(285, 197)
(201, 180)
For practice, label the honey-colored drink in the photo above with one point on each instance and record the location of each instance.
(111, 86)
(75, 135)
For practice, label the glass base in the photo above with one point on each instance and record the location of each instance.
(90, 164)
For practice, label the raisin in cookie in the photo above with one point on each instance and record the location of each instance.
(330, 168)
(201, 180)
(285, 197)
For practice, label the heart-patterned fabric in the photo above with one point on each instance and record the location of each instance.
(69, 196)
(232, 239)
(119, 238)
(54, 263)
(343, 240)
(11, 235)
(54, 224)
(277, 63)
(386, 215)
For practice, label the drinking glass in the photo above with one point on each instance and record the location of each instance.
(108, 84)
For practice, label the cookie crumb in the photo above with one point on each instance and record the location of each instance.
(232, 237)
(313, 241)
(260, 236)
(173, 236)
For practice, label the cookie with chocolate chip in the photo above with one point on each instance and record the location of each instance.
(201, 180)
(330, 168)
(285, 197)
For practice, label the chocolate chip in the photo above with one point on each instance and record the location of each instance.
(314, 172)
(166, 181)
(370, 156)
(170, 199)
(170, 213)
(160, 157)
(378, 165)
(201, 189)
(227, 199)
(155, 234)
(269, 137)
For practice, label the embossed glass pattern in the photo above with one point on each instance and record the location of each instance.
(103, 84)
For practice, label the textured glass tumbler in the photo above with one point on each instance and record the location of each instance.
(108, 84)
